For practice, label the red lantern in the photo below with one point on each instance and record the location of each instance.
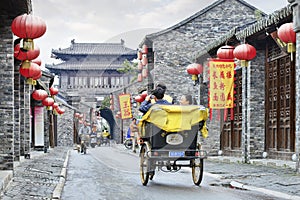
(140, 65)
(59, 110)
(287, 35)
(48, 101)
(28, 27)
(140, 77)
(37, 61)
(33, 71)
(244, 52)
(194, 69)
(39, 94)
(55, 105)
(139, 55)
(225, 52)
(38, 76)
(145, 73)
(145, 49)
(144, 60)
(144, 94)
(138, 99)
(53, 91)
(23, 54)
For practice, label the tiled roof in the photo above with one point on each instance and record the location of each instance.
(95, 49)
(87, 65)
(201, 12)
(249, 30)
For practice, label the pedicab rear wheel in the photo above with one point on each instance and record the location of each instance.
(197, 170)
(144, 165)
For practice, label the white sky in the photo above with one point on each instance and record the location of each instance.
(110, 20)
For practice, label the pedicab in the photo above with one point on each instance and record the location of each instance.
(170, 135)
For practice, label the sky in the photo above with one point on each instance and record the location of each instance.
(99, 21)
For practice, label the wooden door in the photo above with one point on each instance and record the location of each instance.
(280, 105)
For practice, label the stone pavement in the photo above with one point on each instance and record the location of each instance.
(43, 175)
(40, 177)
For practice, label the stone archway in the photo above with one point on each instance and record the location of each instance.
(109, 117)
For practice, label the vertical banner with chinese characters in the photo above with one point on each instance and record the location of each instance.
(221, 83)
(125, 106)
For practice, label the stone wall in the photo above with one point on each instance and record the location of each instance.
(257, 105)
(65, 128)
(176, 48)
(7, 96)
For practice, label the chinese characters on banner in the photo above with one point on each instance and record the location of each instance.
(125, 106)
(221, 84)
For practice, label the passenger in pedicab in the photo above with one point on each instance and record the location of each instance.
(157, 95)
(186, 99)
(166, 97)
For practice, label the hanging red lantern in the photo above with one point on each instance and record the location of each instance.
(144, 60)
(140, 77)
(244, 52)
(139, 55)
(225, 52)
(55, 105)
(287, 35)
(23, 54)
(145, 49)
(194, 69)
(48, 101)
(53, 91)
(39, 94)
(145, 73)
(144, 94)
(37, 61)
(140, 65)
(38, 76)
(28, 27)
(33, 71)
(59, 110)
(138, 99)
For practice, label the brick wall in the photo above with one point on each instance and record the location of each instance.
(7, 96)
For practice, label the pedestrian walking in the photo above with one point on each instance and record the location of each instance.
(134, 133)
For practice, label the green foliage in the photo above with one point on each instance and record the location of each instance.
(105, 103)
(129, 67)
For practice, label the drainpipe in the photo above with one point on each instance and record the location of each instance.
(295, 4)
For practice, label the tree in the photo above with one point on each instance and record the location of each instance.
(129, 68)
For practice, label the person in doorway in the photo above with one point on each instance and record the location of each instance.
(134, 133)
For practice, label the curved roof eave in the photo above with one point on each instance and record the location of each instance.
(201, 12)
(260, 25)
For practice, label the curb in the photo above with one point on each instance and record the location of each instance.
(238, 185)
(6, 177)
(60, 186)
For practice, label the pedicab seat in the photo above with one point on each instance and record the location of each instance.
(162, 120)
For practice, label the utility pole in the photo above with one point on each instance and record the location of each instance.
(295, 4)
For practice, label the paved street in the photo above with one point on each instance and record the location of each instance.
(42, 176)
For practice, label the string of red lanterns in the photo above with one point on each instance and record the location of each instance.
(143, 62)
(28, 27)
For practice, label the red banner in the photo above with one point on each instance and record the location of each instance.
(125, 106)
(221, 84)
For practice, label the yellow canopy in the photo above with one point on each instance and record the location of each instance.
(174, 118)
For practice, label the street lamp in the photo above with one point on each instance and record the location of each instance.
(295, 4)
